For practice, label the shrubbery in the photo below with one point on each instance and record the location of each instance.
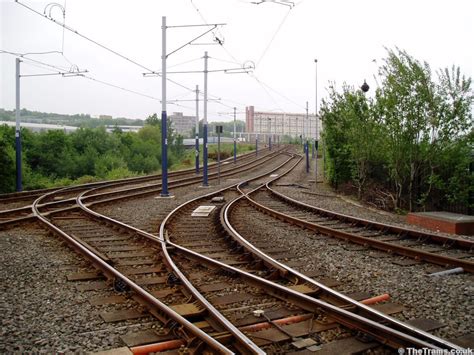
(56, 158)
(411, 144)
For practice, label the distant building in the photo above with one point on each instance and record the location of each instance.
(280, 123)
(123, 128)
(181, 124)
(40, 127)
(105, 117)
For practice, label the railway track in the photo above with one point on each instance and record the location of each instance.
(113, 191)
(223, 250)
(15, 201)
(127, 258)
(212, 290)
(420, 246)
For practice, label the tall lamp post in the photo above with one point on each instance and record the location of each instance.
(235, 137)
(316, 138)
(204, 134)
(269, 125)
(197, 129)
(19, 186)
(164, 136)
(306, 141)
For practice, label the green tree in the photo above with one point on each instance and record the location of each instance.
(7, 160)
(414, 138)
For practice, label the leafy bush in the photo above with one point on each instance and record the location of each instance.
(414, 139)
(56, 158)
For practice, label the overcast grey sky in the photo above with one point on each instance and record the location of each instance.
(344, 35)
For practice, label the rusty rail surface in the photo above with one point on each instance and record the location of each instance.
(122, 194)
(405, 335)
(368, 241)
(158, 308)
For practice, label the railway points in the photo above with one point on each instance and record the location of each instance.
(142, 275)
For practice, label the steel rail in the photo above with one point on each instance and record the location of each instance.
(408, 232)
(152, 303)
(244, 341)
(289, 272)
(382, 333)
(108, 184)
(163, 236)
(224, 322)
(367, 327)
(18, 196)
(367, 241)
(395, 337)
(140, 191)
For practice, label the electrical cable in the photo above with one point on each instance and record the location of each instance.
(225, 61)
(64, 26)
(131, 91)
(274, 36)
(217, 39)
(119, 87)
(266, 91)
(84, 37)
(22, 55)
(235, 61)
(186, 62)
(42, 65)
(101, 45)
(280, 94)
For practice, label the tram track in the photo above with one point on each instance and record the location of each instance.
(120, 257)
(420, 246)
(214, 263)
(15, 202)
(63, 198)
(398, 335)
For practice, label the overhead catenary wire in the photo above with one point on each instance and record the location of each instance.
(120, 87)
(40, 66)
(97, 43)
(50, 7)
(51, 67)
(130, 91)
(23, 56)
(185, 62)
(252, 75)
(63, 25)
(217, 39)
(278, 93)
(266, 91)
(273, 37)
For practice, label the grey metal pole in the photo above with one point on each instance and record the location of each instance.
(197, 129)
(316, 139)
(204, 156)
(19, 185)
(269, 133)
(218, 157)
(235, 141)
(306, 144)
(164, 138)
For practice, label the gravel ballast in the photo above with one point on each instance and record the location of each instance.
(44, 312)
(446, 299)
(41, 310)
